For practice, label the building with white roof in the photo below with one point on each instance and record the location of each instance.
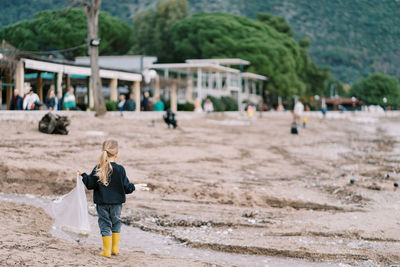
(179, 82)
(132, 63)
(216, 78)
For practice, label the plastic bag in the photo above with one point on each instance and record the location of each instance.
(71, 212)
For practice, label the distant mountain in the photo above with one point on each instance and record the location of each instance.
(353, 37)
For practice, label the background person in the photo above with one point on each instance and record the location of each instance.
(16, 102)
(69, 100)
(159, 105)
(31, 101)
(59, 100)
(208, 106)
(121, 103)
(51, 100)
(145, 101)
(130, 104)
(197, 105)
(298, 111)
(150, 105)
(324, 110)
(280, 108)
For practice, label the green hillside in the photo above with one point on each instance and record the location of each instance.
(353, 37)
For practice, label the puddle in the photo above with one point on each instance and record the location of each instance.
(137, 240)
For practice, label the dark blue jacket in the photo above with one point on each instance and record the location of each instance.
(60, 104)
(116, 190)
(16, 103)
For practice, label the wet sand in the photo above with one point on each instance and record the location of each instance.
(223, 183)
(26, 240)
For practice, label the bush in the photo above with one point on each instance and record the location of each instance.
(111, 105)
(186, 107)
(230, 103)
(375, 87)
(217, 103)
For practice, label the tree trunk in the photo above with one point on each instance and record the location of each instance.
(92, 15)
(9, 89)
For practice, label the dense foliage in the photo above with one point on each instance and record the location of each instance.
(152, 28)
(230, 103)
(373, 89)
(271, 53)
(218, 105)
(354, 38)
(186, 107)
(111, 105)
(55, 30)
(348, 40)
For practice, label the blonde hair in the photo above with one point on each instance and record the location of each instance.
(104, 169)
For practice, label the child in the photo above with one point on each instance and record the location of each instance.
(304, 122)
(110, 184)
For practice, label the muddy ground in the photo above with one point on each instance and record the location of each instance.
(222, 182)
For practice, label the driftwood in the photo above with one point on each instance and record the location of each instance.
(54, 124)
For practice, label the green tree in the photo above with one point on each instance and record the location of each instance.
(359, 38)
(313, 76)
(375, 87)
(62, 29)
(271, 53)
(152, 28)
(278, 23)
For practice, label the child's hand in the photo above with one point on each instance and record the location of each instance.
(79, 172)
(142, 187)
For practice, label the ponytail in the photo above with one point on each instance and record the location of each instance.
(104, 168)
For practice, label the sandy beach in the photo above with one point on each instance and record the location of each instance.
(222, 183)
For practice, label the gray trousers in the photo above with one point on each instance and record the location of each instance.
(109, 218)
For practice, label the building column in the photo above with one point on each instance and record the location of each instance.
(228, 80)
(156, 87)
(114, 89)
(136, 88)
(199, 84)
(219, 81)
(246, 88)
(240, 95)
(59, 83)
(210, 81)
(19, 78)
(173, 97)
(91, 85)
(189, 89)
(253, 87)
(39, 86)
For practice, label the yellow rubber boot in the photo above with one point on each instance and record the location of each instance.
(115, 243)
(106, 246)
